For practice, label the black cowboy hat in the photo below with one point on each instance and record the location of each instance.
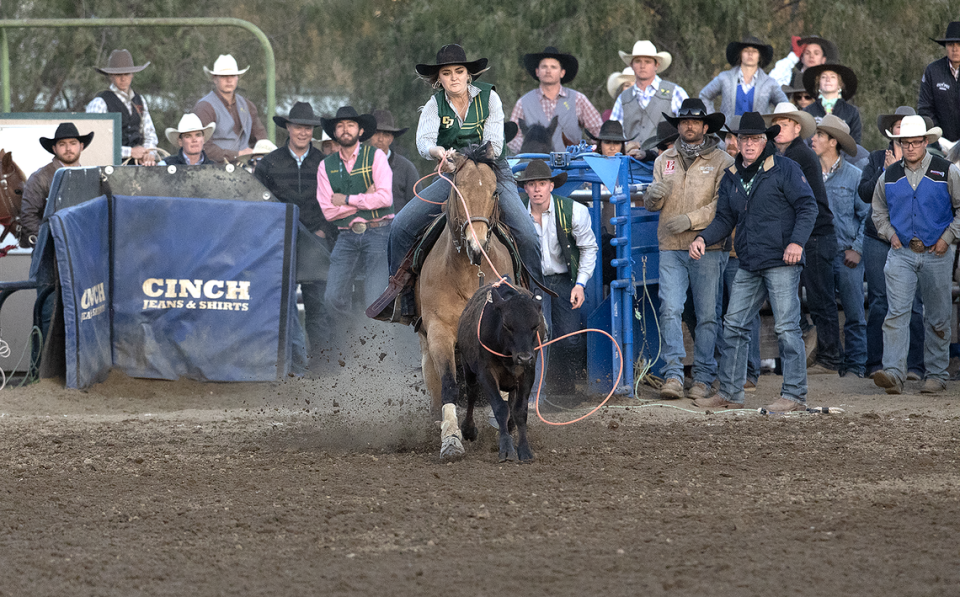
(301, 113)
(510, 130)
(846, 73)
(385, 123)
(610, 130)
(751, 123)
(567, 62)
(830, 51)
(735, 47)
(666, 134)
(953, 34)
(366, 121)
(539, 170)
(66, 130)
(693, 108)
(452, 54)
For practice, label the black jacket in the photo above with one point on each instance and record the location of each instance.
(810, 166)
(177, 159)
(278, 172)
(872, 171)
(405, 175)
(780, 209)
(842, 110)
(940, 98)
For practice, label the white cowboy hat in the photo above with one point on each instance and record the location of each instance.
(615, 80)
(646, 48)
(263, 147)
(808, 125)
(914, 126)
(188, 124)
(224, 66)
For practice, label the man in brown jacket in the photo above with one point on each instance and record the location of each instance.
(686, 178)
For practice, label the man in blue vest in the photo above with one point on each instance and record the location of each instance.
(554, 69)
(238, 122)
(138, 137)
(569, 257)
(915, 207)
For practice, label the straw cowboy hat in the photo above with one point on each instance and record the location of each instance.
(120, 62)
(366, 121)
(646, 48)
(301, 113)
(693, 108)
(567, 62)
(188, 124)
(262, 148)
(610, 130)
(225, 65)
(808, 124)
(539, 170)
(916, 126)
(829, 48)
(617, 79)
(811, 76)
(385, 123)
(735, 47)
(666, 134)
(834, 126)
(953, 34)
(452, 54)
(752, 123)
(66, 130)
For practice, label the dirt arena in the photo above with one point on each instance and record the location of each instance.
(334, 487)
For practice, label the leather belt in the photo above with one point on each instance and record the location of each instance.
(361, 227)
(917, 246)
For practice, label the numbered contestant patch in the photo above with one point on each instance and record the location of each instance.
(669, 166)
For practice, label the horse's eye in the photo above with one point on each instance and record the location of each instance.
(18, 192)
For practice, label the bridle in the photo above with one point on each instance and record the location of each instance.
(461, 225)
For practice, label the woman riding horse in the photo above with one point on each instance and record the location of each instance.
(462, 112)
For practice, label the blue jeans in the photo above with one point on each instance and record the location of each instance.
(849, 283)
(355, 254)
(703, 276)
(753, 357)
(905, 272)
(750, 290)
(817, 276)
(874, 259)
(417, 215)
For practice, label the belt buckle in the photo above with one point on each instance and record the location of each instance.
(358, 227)
(917, 246)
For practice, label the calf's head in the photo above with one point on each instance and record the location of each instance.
(519, 314)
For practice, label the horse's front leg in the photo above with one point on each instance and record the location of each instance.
(442, 353)
(519, 400)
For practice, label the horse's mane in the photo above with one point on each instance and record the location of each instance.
(480, 154)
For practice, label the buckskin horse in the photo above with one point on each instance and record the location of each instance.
(11, 193)
(451, 273)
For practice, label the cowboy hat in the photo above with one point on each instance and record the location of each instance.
(539, 170)
(646, 48)
(617, 79)
(225, 65)
(693, 108)
(915, 126)
(610, 130)
(829, 48)
(120, 62)
(567, 62)
(452, 54)
(666, 134)
(734, 49)
(808, 124)
(366, 121)
(385, 123)
(752, 123)
(301, 113)
(795, 86)
(732, 125)
(188, 124)
(66, 130)
(812, 75)
(886, 121)
(510, 130)
(262, 148)
(953, 34)
(834, 126)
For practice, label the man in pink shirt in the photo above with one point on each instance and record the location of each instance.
(355, 191)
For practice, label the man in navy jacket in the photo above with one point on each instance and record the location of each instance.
(769, 202)
(940, 88)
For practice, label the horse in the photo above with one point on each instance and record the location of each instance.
(451, 273)
(12, 179)
(536, 137)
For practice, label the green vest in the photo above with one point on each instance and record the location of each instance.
(451, 135)
(355, 182)
(563, 208)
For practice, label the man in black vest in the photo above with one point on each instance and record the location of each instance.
(138, 135)
(405, 174)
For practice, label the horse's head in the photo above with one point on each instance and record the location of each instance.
(476, 175)
(12, 179)
(536, 137)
